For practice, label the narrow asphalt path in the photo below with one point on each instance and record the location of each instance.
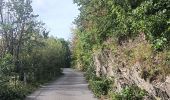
(71, 86)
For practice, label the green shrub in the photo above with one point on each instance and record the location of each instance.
(18, 92)
(160, 44)
(90, 73)
(130, 93)
(100, 86)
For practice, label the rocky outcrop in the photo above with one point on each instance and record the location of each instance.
(103, 63)
(131, 76)
(115, 65)
(125, 76)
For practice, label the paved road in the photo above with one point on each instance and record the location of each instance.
(71, 86)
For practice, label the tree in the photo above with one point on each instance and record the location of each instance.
(28, 56)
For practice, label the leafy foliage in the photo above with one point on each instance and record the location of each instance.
(100, 20)
(28, 57)
(17, 92)
(100, 86)
(103, 23)
(130, 93)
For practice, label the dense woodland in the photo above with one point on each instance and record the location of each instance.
(113, 37)
(28, 56)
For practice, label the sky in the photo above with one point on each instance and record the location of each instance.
(58, 15)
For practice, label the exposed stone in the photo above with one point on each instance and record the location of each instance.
(103, 63)
(124, 76)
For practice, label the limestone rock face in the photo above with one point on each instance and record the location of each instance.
(103, 63)
(130, 76)
(125, 76)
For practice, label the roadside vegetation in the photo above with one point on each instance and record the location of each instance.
(28, 56)
(123, 32)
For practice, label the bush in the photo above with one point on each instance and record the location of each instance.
(90, 73)
(18, 92)
(130, 93)
(160, 44)
(100, 86)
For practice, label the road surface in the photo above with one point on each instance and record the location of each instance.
(70, 86)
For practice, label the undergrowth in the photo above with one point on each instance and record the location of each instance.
(15, 92)
(100, 86)
(129, 93)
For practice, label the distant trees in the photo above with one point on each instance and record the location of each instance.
(48, 60)
(27, 54)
